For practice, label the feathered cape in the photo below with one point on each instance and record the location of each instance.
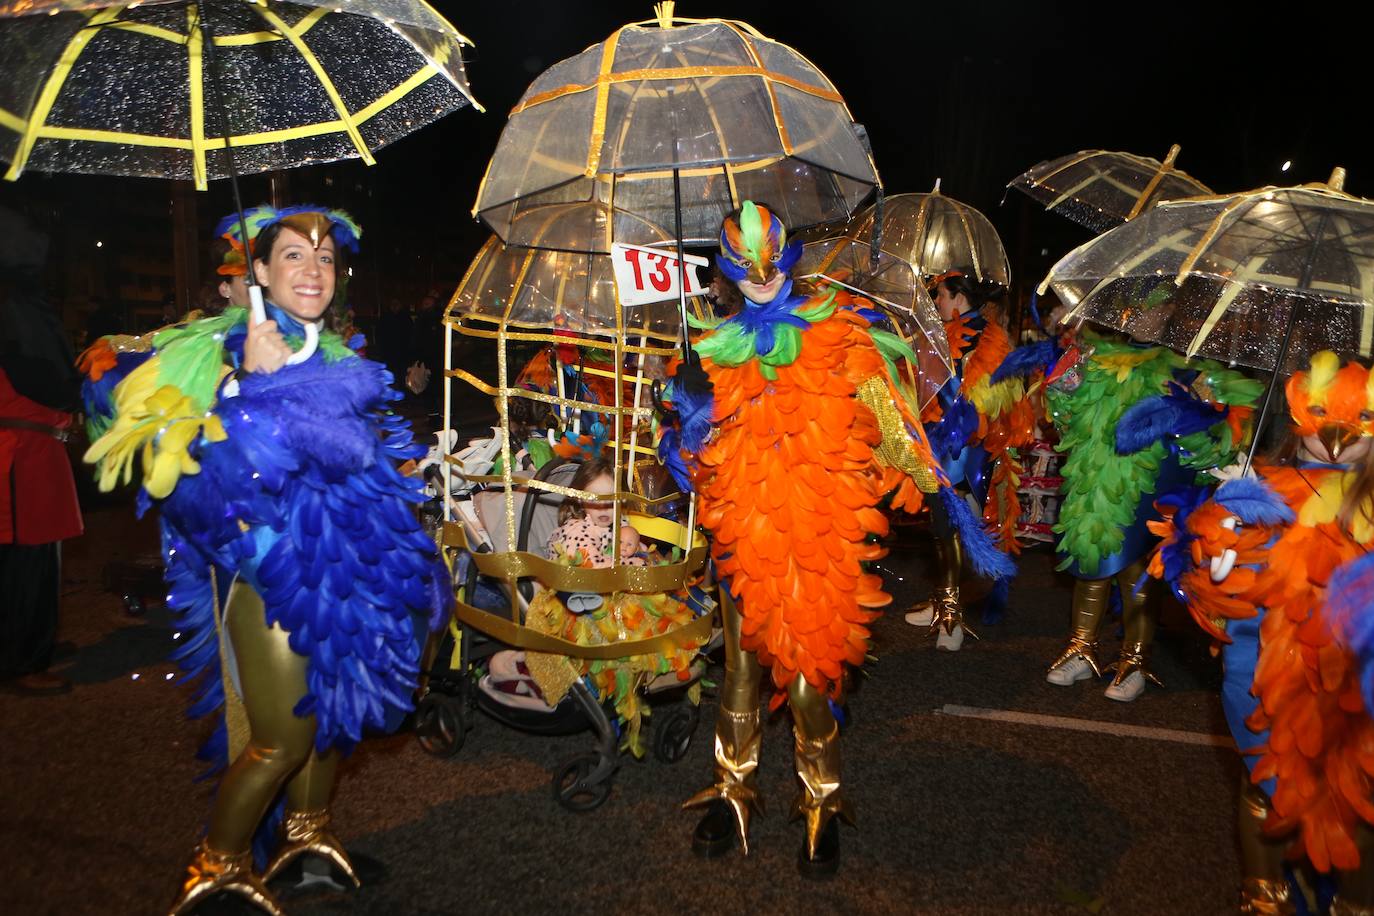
(292, 485)
(1108, 493)
(806, 432)
(1310, 728)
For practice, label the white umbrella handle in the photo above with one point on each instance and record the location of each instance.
(312, 330)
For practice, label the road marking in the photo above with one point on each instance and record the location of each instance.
(1088, 725)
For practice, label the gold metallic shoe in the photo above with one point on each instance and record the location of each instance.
(818, 768)
(948, 626)
(1069, 666)
(1268, 897)
(212, 872)
(738, 736)
(1131, 673)
(303, 832)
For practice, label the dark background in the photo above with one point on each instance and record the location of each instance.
(973, 93)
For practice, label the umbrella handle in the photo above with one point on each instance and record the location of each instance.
(312, 330)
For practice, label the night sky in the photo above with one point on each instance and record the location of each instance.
(973, 93)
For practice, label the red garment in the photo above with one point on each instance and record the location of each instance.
(37, 491)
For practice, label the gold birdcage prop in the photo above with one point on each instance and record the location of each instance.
(594, 390)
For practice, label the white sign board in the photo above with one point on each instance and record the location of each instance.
(644, 275)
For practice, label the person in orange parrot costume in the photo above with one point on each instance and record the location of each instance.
(790, 423)
(1254, 563)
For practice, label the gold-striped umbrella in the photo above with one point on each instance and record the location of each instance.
(678, 118)
(1261, 279)
(1101, 189)
(154, 88)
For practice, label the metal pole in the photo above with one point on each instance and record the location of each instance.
(1303, 283)
(681, 261)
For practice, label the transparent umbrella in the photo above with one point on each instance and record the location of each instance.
(136, 88)
(1260, 279)
(201, 90)
(678, 119)
(1101, 189)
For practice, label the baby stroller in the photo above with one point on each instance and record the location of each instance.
(583, 394)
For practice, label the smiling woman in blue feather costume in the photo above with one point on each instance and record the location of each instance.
(280, 503)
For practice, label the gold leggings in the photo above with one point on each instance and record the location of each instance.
(1090, 600)
(281, 745)
(739, 695)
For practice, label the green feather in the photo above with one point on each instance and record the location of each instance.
(751, 229)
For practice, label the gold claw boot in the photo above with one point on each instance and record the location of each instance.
(734, 798)
(1138, 613)
(817, 760)
(942, 611)
(212, 872)
(304, 832)
(1079, 661)
(1267, 897)
(1265, 891)
(1130, 676)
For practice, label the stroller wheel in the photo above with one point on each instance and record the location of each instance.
(673, 735)
(574, 785)
(441, 724)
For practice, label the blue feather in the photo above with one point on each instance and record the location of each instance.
(1251, 500)
(1027, 360)
(983, 555)
(1350, 611)
(1154, 419)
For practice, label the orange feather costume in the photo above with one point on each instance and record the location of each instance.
(1310, 735)
(791, 429)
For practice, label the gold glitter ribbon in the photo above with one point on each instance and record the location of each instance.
(895, 449)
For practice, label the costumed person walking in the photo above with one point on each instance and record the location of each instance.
(38, 504)
(974, 426)
(1135, 422)
(284, 478)
(793, 425)
(1254, 564)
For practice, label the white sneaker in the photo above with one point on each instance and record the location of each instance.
(1132, 686)
(1071, 672)
(950, 642)
(921, 617)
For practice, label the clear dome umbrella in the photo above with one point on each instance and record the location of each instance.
(674, 118)
(1261, 279)
(1101, 189)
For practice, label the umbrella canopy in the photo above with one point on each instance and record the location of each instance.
(550, 286)
(134, 89)
(1101, 189)
(934, 234)
(896, 287)
(735, 115)
(1229, 277)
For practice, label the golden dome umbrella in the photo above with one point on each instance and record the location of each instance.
(1101, 189)
(218, 88)
(678, 121)
(1261, 279)
(710, 105)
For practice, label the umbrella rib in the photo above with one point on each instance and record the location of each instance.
(195, 36)
(53, 85)
(1207, 239)
(603, 93)
(317, 68)
(1233, 289)
(783, 136)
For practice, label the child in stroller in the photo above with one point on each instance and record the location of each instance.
(584, 539)
(552, 694)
